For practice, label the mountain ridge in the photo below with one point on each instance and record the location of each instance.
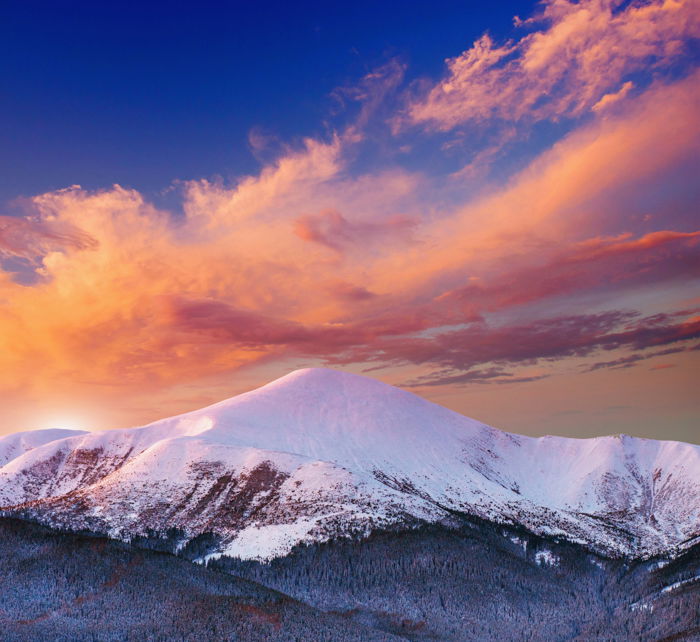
(319, 454)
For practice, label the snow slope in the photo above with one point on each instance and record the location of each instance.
(320, 453)
(18, 443)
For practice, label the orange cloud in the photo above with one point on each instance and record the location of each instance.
(578, 53)
(612, 98)
(581, 186)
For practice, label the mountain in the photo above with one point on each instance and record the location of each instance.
(320, 454)
(12, 446)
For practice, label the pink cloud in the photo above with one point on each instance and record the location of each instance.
(32, 238)
(349, 292)
(612, 98)
(215, 321)
(460, 352)
(598, 263)
(632, 360)
(331, 228)
(576, 54)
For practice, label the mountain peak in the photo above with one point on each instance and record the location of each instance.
(320, 452)
(328, 379)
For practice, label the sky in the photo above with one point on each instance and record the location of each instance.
(495, 207)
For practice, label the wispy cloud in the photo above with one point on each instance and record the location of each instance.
(31, 239)
(570, 56)
(460, 354)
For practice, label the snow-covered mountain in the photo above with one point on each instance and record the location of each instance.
(319, 454)
(12, 446)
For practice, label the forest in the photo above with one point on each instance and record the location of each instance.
(476, 581)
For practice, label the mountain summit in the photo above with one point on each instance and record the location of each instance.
(320, 454)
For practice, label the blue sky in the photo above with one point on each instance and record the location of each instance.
(142, 94)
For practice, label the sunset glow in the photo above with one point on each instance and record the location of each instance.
(514, 235)
(64, 423)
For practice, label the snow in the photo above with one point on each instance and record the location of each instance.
(16, 444)
(647, 603)
(266, 542)
(352, 450)
(677, 585)
(519, 542)
(546, 558)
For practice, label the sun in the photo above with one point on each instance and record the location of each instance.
(64, 423)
